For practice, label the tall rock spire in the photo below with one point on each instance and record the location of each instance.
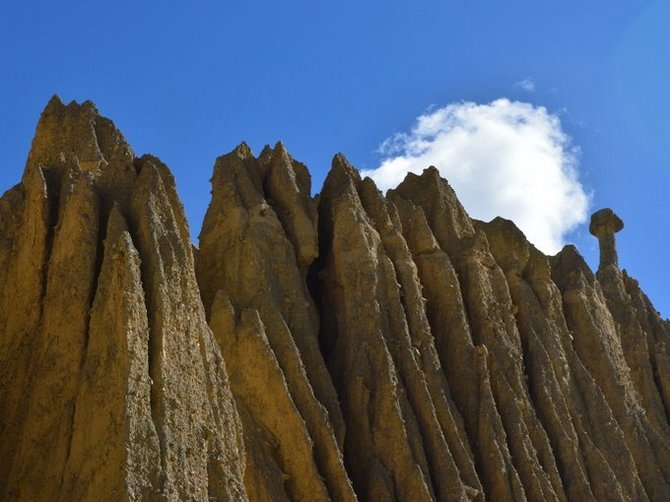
(103, 329)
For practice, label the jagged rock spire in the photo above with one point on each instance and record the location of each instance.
(359, 346)
(102, 329)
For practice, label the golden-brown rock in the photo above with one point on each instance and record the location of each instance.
(257, 241)
(118, 389)
(349, 346)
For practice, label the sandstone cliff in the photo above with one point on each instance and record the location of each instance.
(349, 346)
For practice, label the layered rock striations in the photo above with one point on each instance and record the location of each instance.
(349, 346)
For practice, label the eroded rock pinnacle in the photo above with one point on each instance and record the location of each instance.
(604, 224)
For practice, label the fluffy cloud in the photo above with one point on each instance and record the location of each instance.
(505, 158)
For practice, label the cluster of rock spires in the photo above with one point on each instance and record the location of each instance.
(349, 346)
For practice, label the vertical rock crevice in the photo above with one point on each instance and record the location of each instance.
(76, 336)
(348, 346)
(256, 245)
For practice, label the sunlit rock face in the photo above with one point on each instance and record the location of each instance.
(113, 384)
(348, 346)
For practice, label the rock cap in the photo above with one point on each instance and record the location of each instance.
(605, 222)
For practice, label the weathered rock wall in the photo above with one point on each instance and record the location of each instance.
(113, 386)
(340, 347)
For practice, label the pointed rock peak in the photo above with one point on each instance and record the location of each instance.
(506, 230)
(340, 161)
(87, 105)
(370, 185)
(76, 134)
(56, 107)
(373, 200)
(161, 168)
(265, 155)
(149, 178)
(280, 155)
(380, 209)
(342, 167)
(297, 170)
(431, 171)
(243, 151)
(302, 176)
(55, 103)
(73, 108)
(411, 184)
(430, 186)
(342, 177)
(280, 149)
(264, 161)
(507, 242)
(569, 253)
(240, 158)
(142, 162)
(429, 176)
(280, 159)
(170, 186)
(238, 165)
(506, 226)
(448, 219)
(568, 264)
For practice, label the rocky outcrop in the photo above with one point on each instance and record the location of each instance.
(394, 396)
(114, 385)
(258, 238)
(349, 346)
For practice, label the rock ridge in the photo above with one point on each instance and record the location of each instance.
(348, 346)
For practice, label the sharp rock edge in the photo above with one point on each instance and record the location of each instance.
(349, 346)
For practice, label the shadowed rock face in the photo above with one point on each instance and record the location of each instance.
(349, 346)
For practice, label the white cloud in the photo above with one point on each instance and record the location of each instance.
(527, 84)
(505, 158)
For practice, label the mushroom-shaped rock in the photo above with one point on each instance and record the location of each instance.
(604, 224)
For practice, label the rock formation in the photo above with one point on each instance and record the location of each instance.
(113, 384)
(349, 346)
(604, 224)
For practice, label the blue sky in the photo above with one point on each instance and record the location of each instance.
(187, 81)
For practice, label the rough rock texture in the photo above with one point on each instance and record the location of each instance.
(113, 384)
(258, 238)
(340, 347)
